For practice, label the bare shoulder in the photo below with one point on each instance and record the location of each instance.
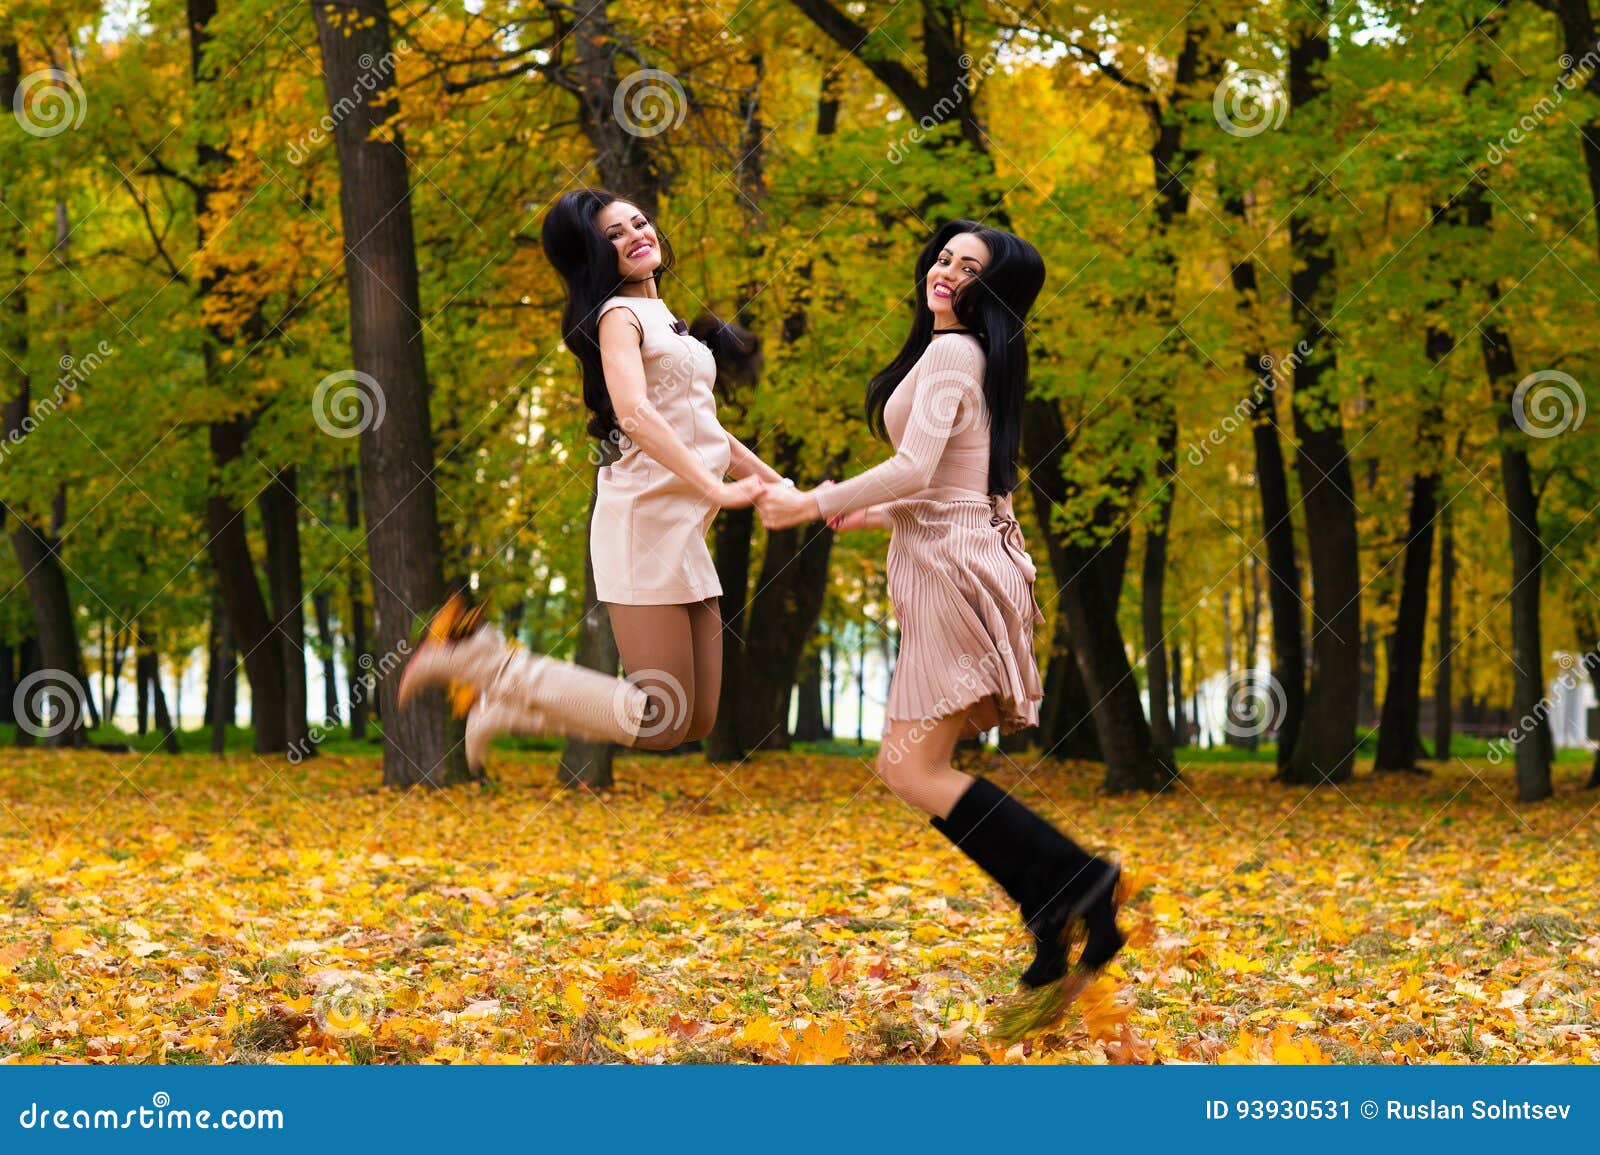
(619, 320)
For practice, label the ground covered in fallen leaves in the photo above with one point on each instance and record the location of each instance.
(788, 910)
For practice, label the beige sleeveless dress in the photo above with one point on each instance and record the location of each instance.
(648, 534)
(959, 573)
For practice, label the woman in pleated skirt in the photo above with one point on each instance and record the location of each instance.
(961, 582)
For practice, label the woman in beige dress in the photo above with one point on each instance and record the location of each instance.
(648, 385)
(961, 581)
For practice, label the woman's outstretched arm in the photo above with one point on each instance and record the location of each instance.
(949, 375)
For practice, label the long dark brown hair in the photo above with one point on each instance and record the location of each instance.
(994, 306)
(587, 262)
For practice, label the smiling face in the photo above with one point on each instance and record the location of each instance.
(962, 259)
(632, 237)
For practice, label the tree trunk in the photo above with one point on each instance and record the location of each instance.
(1132, 762)
(223, 682)
(1580, 34)
(1170, 161)
(1527, 546)
(1399, 737)
(105, 653)
(27, 663)
(147, 672)
(227, 540)
(1367, 711)
(587, 763)
(628, 164)
(358, 659)
(1277, 524)
(8, 684)
(213, 657)
(1066, 716)
(1155, 635)
(279, 506)
(117, 651)
(1527, 566)
(322, 607)
(1180, 722)
(783, 614)
(1443, 693)
(861, 686)
(141, 690)
(731, 535)
(1326, 745)
(37, 549)
(808, 724)
(247, 609)
(1249, 613)
(387, 351)
(1398, 748)
(759, 653)
(833, 684)
(735, 528)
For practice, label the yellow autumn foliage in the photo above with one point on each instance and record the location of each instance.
(788, 910)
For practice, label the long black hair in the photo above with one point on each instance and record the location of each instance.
(994, 306)
(587, 262)
(736, 350)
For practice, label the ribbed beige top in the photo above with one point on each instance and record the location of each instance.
(938, 423)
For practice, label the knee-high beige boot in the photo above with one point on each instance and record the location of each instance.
(489, 717)
(571, 700)
(575, 701)
(456, 647)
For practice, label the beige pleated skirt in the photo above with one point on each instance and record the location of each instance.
(962, 586)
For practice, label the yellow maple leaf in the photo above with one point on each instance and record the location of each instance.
(67, 940)
(816, 1045)
(759, 1032)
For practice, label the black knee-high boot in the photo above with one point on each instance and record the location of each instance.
(1053, 879)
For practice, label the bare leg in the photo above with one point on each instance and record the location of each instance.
(914, 762)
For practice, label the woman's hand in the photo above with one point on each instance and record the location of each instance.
(855, 519)
(738, 494)
(783, 507)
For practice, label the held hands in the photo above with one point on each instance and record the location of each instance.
(783, 506)
(738, 494)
